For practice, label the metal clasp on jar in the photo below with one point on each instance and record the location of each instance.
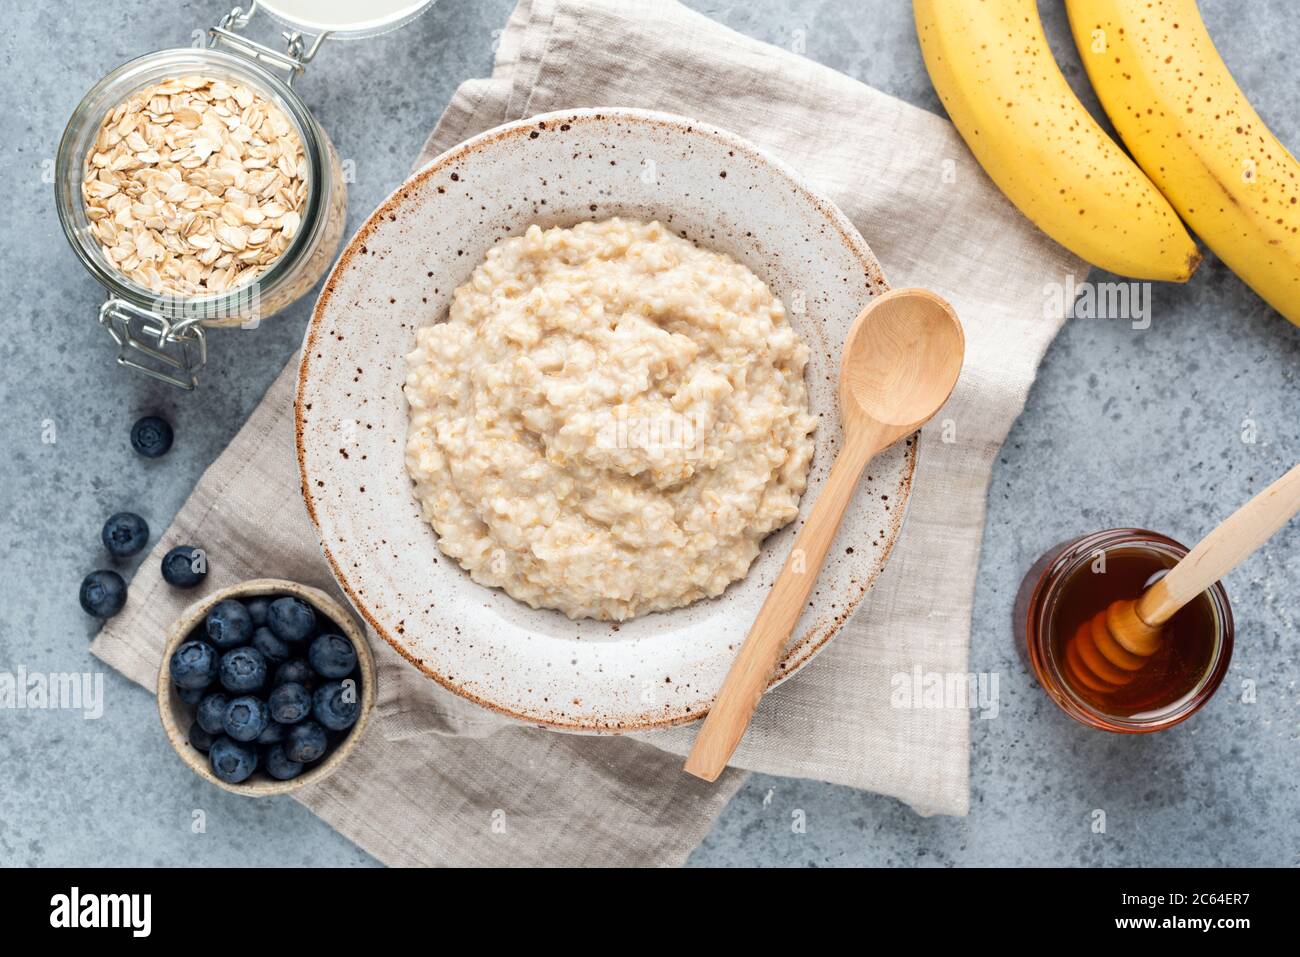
(292, 61)
(154, 345)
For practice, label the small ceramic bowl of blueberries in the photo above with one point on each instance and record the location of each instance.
(265, 687)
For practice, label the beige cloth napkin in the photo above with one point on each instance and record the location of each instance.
(439, 781)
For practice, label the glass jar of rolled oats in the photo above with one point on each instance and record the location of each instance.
(197, 187)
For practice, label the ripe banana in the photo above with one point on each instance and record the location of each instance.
(995, 74)
(1189, 126)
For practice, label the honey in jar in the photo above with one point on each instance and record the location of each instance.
(1056, 614)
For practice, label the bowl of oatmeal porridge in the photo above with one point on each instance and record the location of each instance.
(610, 422)
(564, 400)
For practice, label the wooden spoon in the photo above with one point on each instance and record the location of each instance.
(1117, 641)
(901, 360)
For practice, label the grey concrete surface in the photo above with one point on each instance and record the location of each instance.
(1122, 427)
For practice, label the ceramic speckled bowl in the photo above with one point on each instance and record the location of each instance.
(399, 273)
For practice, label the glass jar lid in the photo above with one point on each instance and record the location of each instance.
(346, 19)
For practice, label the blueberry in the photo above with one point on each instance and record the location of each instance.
(232, 761)
(272, 648)
(243, 669)
(332, 656)
(246, 718)
(193, 665)
(273, 733)
(257, 609)
(305, 742)
(103, 593)
(184, 566)
(191, 696)
(200, 738)
(290, 703)
(211, 712)
(298, 671)
(228, 624)
(151, 436)
(336, 705)
(124, 534)
(292, 619)
(279, 766)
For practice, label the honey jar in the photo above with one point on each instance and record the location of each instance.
(1062, 594)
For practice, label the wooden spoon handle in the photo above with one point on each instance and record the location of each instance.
(1219, 552)
(753, 667)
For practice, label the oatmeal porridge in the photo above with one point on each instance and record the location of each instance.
(610, 421)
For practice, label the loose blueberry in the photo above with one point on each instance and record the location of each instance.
(151, 436)
(243, 669)
(279, 766)
(191, 696)
(184, 566)
(124, 534)
(336, 705)
(273, 733)
(200, 738)
(211, 712)
(292, 619)
(297, 671)
(232, 761)
(272, 648)
(246, 718)
(290, 703)
(103, 593)
(193, 665)
(332, 656)
(228, 624)
(305, 742)
(257, 609)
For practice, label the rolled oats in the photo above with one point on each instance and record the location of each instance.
(195, 186)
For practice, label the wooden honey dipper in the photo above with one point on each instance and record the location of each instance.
(1110, 648)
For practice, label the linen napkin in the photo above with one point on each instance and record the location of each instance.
(439, 781)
